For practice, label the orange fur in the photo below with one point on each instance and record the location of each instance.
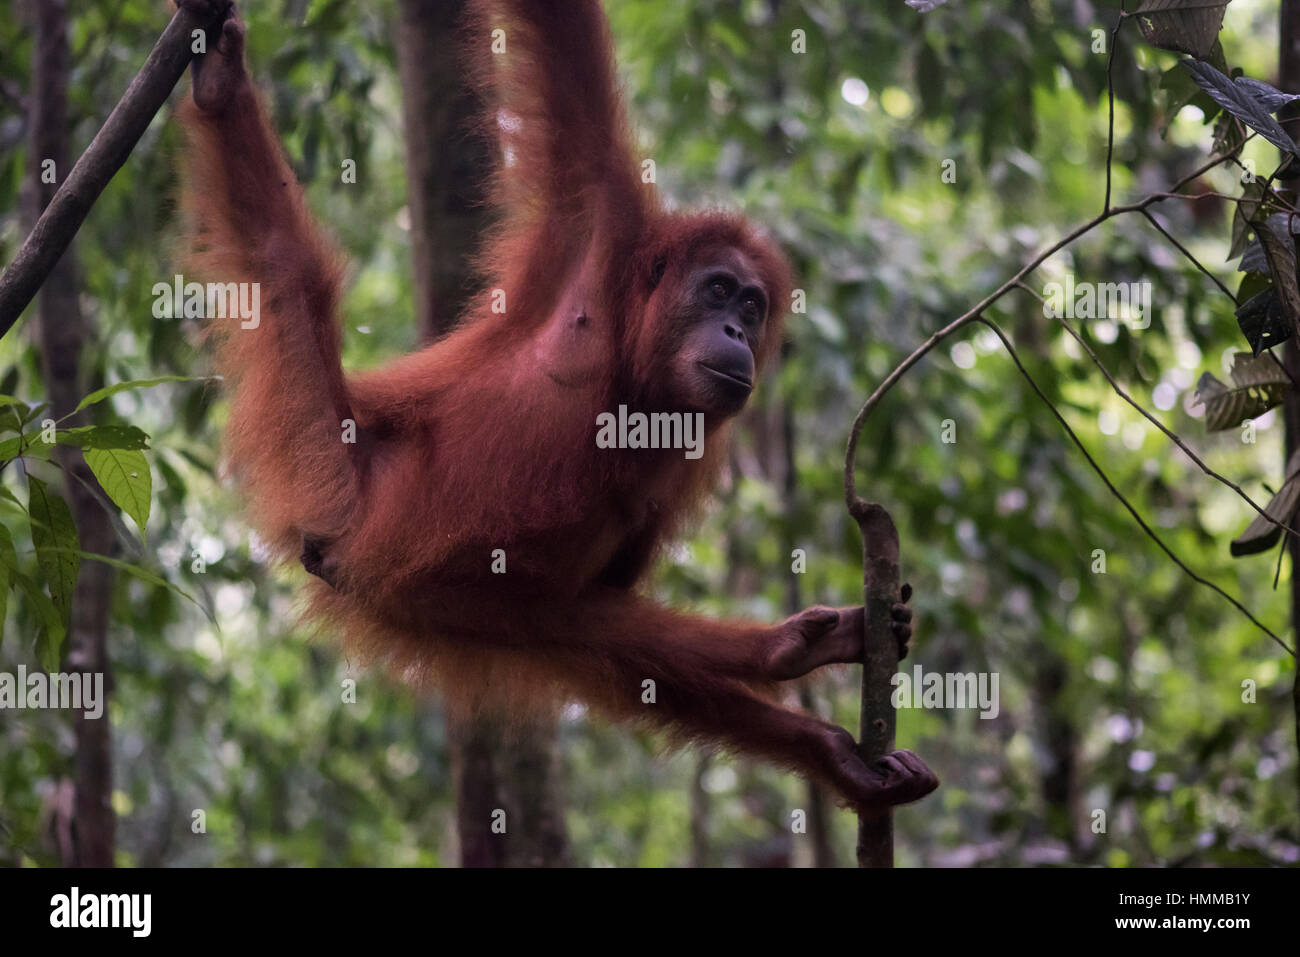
(486, 439)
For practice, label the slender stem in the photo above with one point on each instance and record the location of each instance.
(1186, 252)
(1223, 196)
(1281, 552)
(64, 214)
(1110, 101)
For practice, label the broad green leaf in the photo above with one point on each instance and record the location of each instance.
(34, 412)
(1259, 385)
(1262, 534)
(1262, 319)
(1269, 97)
(1186, 26)
(124, 475)
(99, 395)
(137, 571)
(13, 412)
(1279, 251)
(8, 565)
(104, 437)
(49, 642)
(1178, 90)
(53, 533)
(32, 444)
(1252, 260)
(11, 448)
(29, 446)
(1243, 101)
(1241, 218)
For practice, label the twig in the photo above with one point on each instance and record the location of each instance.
(1277, 572)
(1223, 196)
(1186, 252)
(92, 172)
(1110, 100)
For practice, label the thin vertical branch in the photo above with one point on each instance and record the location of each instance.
(107, 152)
(1110, 101)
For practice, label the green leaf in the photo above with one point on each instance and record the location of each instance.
(1252, 260)
(53, 532)
(1178, 90)
(145, 575)
(11, 448)
(84, 437)
(29, 445)
(35, 411)
(8, 565)
(1243, 101)
(124, 475)
(1242, 226)
(49, 641)
(1262, 534)
(99, 395)
(1269, 97)
(13, 412)
(1279, 251)
(104, 437)
(1260, 384)
(1187, 26)
(1263, 321)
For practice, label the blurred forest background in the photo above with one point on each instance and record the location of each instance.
(1120, 691)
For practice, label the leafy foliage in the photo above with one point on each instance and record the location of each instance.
(1259, 384)
(1250, 101)
(1120, 690)
(1187, 26)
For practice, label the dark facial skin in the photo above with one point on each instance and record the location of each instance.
(725, 313)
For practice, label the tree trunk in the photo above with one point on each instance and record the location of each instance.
(518, 772)
(62, 333)
(445, 159)
(1289, 80)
